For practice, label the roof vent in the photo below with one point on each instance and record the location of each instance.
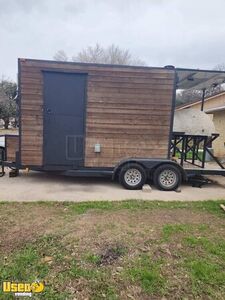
(169, 67)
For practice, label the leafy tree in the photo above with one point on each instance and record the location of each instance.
(98, 54)
(8, 106)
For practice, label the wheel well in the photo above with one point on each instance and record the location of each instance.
(120, 166)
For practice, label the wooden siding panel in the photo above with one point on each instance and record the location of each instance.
(12, 146)
(128, 111)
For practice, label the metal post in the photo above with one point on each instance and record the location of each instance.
(203, 99)
(193, 150)
(174, 146)
(182, 151)
(204, 152)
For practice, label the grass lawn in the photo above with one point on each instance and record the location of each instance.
(190, 154)
(115, 250)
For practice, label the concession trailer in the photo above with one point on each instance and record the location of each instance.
(81, 119)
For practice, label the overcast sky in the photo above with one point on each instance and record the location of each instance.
(187, 33)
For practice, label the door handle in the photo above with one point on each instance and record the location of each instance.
(48, 110)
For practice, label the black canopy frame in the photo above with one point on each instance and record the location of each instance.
(188, 79)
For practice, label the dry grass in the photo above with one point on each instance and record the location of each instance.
(123, 250)
(8, 131)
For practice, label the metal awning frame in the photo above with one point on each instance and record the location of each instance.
(209, 77)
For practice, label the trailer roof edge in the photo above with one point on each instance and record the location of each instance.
(94, 64)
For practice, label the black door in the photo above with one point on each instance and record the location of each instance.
(64, 113)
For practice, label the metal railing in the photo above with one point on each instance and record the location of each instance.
(192, 149)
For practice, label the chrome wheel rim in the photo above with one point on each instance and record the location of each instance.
(132, 177)
(168, 178)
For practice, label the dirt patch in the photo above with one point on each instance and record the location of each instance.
(21, 224)
(92, 231)
(111, 254)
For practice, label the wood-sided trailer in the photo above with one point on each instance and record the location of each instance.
(82, 119)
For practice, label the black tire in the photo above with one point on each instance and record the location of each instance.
(132, 176)
(167, 177)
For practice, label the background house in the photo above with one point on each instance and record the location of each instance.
(214, 105)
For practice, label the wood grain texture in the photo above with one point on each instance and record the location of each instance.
(128, 111)
(12, 146)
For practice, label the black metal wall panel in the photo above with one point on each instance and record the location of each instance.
(64, 117)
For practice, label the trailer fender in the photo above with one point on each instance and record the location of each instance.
(123, 163)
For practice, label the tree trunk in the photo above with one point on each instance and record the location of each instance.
(6, 121)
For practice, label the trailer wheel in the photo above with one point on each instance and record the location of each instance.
(132, 176)
(167, 177)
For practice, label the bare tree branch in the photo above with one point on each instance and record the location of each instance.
(60, 56)
(98, 54)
